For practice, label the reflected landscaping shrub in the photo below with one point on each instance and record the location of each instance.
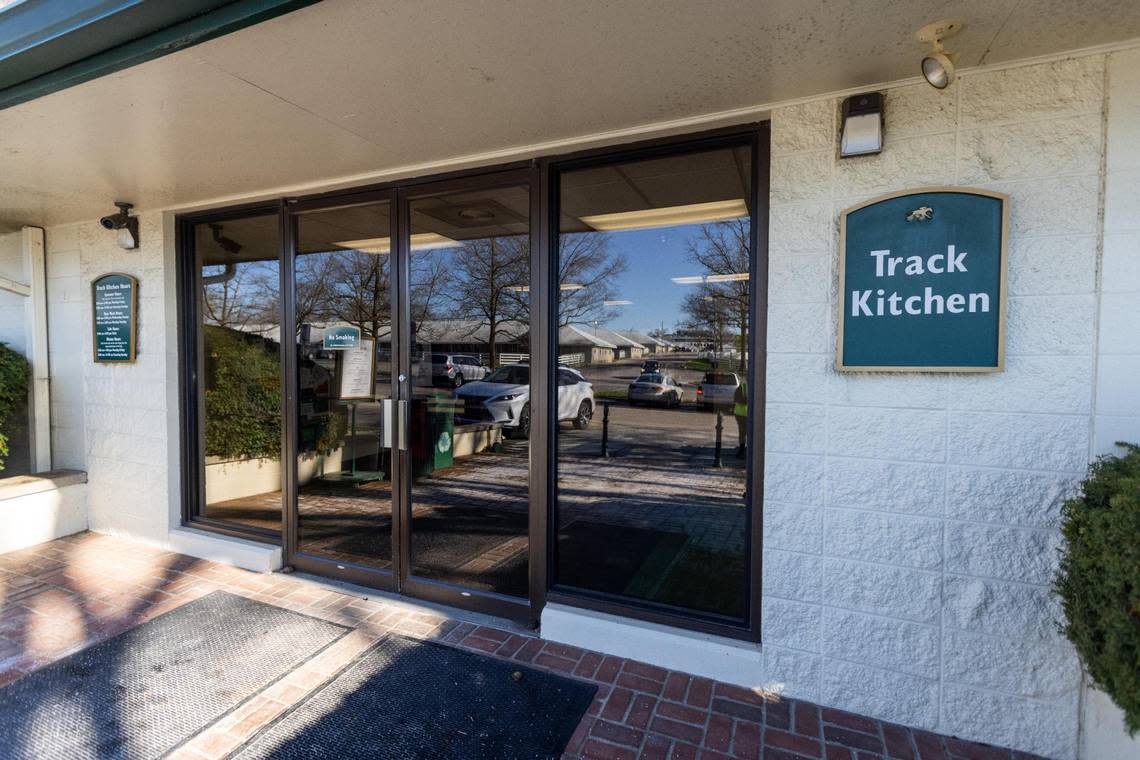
(243, 403)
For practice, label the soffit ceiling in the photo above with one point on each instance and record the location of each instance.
(357, 89)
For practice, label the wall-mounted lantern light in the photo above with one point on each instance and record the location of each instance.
(862, 130)
(127, 226)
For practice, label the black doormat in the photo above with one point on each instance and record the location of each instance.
(149, 689)
(404, 699)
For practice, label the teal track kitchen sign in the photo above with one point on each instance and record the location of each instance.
(922, 282)
(114, 299)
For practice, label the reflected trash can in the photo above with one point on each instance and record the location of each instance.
(433, 434)
(441, 413)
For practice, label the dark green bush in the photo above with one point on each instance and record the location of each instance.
(243, 405)
(1099, 578)
(14, 376)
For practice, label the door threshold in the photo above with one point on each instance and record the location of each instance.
(413, 604)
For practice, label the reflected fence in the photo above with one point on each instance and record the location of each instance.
(566, 360)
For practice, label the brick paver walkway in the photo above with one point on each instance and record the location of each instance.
(61, 596)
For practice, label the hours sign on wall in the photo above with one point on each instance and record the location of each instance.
(114, 303)
(922, 282)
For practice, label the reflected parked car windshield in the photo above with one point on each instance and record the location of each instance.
(511, 375)
(651, 378)
(719, 379)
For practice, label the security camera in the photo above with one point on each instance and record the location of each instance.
(118, 220)
(127, 225)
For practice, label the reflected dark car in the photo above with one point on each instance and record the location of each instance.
(651, 365)
(655, 388)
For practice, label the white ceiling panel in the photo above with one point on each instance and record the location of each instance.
(355, 88)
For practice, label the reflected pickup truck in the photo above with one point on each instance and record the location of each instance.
(717, 389)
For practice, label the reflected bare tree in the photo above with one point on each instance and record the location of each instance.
(721, 307)
(587, 276)
(243, 298)
(357, 291)
(491, 288)
(430, 277)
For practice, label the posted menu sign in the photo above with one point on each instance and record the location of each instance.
(114, 319)
(922, 282)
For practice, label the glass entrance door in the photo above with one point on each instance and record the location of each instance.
(345, 463)
(412, 411)
(468, 391)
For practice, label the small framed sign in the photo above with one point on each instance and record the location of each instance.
(341, 338)
(922, 282)
(357, 367)
(114, 319)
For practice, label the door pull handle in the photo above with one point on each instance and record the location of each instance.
(402, 425)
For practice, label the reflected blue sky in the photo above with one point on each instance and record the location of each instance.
(655, 256)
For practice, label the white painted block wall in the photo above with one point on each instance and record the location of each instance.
(110, 419)
(1117, 402)
(911, 521)
(12, 304)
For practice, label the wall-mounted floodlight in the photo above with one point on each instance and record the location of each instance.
(862, 130)
(126, 225)
(938, 65)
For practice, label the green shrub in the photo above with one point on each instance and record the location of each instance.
(14, 376)
(243, 405)
(1099, 578)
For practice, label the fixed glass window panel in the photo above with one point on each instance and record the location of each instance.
(239, 344)
(653, 330)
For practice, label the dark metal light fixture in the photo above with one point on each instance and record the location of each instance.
(862, 130)
(126, 225)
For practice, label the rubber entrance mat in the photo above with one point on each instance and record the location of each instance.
(149, 689)
(404, 699)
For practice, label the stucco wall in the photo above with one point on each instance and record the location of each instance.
(911, 521)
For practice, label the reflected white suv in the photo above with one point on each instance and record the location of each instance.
(504, 397)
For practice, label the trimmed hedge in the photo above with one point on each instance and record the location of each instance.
(14, 376)
(243, 403)
(1099, 578)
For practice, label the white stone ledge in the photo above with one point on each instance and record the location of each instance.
(26, 485)
(39, 508)
(717, 657)
(243, 553)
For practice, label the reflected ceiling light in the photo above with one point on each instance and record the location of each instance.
(617, 303)
(701, 279)
(938, 65)
(421, 241)
(563, 286)
(668, 216)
